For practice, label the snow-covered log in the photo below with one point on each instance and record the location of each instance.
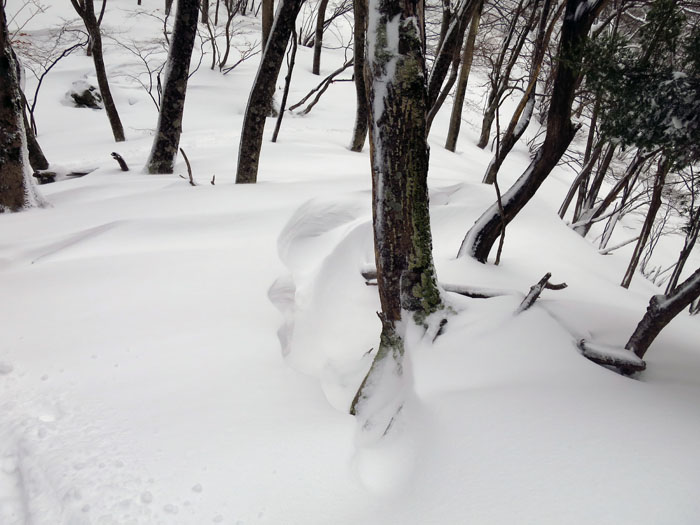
(622, 359)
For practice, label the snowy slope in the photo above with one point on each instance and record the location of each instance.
(187, 355)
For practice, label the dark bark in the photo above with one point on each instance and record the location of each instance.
(263, 90)
(451, 46)
(581, 179)
(688, 245)
(291, 55)
(172, 106)
(37, 159)
(399, 159)
(501, 72)
(168, 7)
(523, 112)
(661, 311)
(16, 189)
(578, 18)
(654, 205)
(86, 10)
(268, 17)
(318, 36)
(467, 57)
(362, 109)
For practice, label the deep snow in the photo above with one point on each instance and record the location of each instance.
(186, 355)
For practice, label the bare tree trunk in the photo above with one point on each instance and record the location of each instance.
(16, 187)
(263, 90)
(690, 240)
(523, 112)
(467, 57)
(450, 47)
(661, 311)
(362, 111)
(318, 37)
(654, 205)
(268, 17)
(172, 106)
(500, 76)
(86, 10)
(578, 19)
(581, 179)
(399, 158)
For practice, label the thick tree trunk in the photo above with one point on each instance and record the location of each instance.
(467, 57)
(263, 90)
(399, 159)
(318, 36)
(362, 110)
(661, 311)
(172, 107)
(268, 17)
(654, 205)
(16, 188)
(578, 18)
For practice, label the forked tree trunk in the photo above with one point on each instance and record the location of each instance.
(86, 10)
(318, 36)
(661, 310)
(16, 187)
(172, 106)
(37, 159)
(399, 159)
(362, 110)
(450, 46)
(500, 75)
(263, 90)
(467, 57)
(523, 112)
(578, 18)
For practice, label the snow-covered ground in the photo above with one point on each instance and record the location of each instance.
(187, 355)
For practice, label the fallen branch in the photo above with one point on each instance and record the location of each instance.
(536, 290)
(122, 163)
(622, 359)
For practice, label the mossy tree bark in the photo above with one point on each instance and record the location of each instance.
(16, 189)
(172, 107)
(661, 311)
(262, 91)
(399, 159)
(86, 10)
(362, 110)
(578, 19)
